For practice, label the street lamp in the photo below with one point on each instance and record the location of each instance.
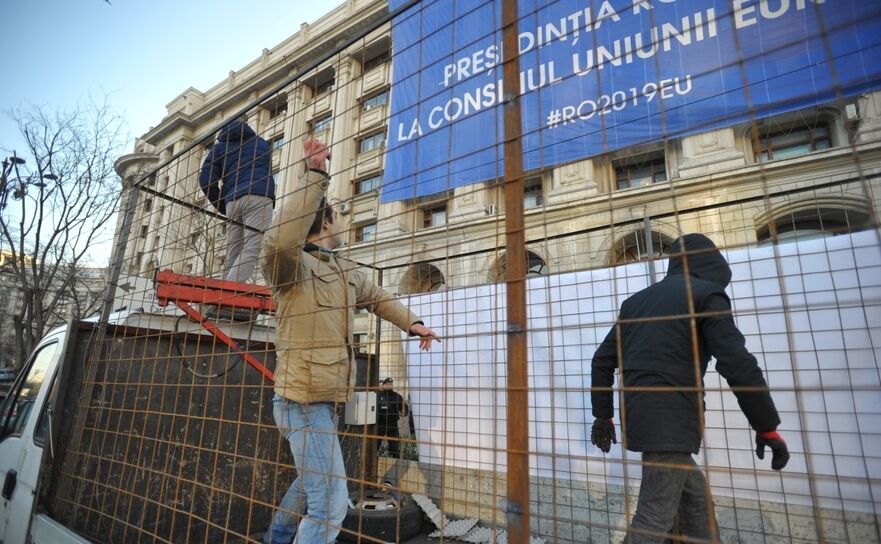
(18, 186)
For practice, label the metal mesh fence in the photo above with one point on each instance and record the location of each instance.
(545, 211)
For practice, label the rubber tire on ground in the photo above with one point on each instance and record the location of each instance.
(388, 525)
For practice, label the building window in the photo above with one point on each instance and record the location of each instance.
(535, 266)
(533, 196)
(359, 342)
(374, 101)
(371, 142)
(633, 247)
(365, 233)
(377, 60)
(279, 108)
(806, 220)
(800, 139)
(423, 278)
(145, 229)
(434, 215)
(277, 142)
(320, 124)
(367, 184)
(324, 87)
(148, 205)
(640, 171)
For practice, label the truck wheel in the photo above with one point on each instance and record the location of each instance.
(390, 517)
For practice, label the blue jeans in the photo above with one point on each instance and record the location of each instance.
(320, 488)
(671, 482)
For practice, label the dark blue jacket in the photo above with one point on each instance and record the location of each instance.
(654, 337)
(243, 161)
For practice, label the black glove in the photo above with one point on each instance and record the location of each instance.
(773, 440)
(602, 435)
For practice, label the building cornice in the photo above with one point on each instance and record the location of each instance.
(140, 162)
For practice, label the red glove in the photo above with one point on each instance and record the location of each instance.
(773, 440)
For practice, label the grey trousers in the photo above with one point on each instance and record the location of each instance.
(672, 482)
(242, 244)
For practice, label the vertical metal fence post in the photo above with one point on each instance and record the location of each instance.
(371, 457)
(517, 398)
(649, 247)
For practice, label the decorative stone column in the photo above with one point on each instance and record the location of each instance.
(869, 127)
(132, 168)
(295, 129)
(345, 114)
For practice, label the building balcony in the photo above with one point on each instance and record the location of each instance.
(370, 161)
(375, 78)
(373, 118)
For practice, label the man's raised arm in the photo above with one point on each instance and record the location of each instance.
(283, 242)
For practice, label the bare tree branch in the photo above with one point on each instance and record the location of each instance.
(58, 205)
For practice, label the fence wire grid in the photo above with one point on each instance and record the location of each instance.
(173, 437)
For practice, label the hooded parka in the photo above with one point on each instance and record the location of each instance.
(666, 335)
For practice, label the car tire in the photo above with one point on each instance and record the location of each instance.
(389, 525)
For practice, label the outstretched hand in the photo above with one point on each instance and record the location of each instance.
(315, 154)
(425, 335)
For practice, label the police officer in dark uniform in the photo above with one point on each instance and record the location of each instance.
(389, 408)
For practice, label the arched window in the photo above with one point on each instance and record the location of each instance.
(422, 278)
(632, 247)
(813, 218)
(535, 266)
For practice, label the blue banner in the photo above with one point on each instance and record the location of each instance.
(605, 75)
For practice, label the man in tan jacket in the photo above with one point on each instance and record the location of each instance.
(316, 294)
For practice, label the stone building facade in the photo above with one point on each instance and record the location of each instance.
(814, 172)
(801, 174)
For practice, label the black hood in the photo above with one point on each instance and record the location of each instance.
(704, 259)
(236, 131)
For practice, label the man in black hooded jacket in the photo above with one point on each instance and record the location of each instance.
(665, 336)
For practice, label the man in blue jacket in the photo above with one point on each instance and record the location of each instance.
(243, 161)
(661, 344)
